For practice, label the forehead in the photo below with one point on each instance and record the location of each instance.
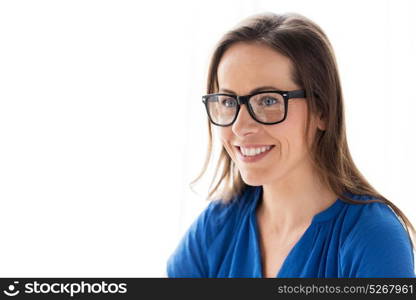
(244, 66)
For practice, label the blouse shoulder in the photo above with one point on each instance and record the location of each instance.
(376, 243)
(220, 216)
(190, 258)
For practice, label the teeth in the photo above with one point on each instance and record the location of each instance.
(254, 151)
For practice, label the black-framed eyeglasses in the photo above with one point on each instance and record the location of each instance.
(266, 107)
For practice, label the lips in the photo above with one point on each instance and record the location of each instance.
(257, 146)
(254, 158)
(238, 147)
(253, 145)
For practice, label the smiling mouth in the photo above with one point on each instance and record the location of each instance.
(251, 152)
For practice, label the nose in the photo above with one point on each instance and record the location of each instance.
(244, 124)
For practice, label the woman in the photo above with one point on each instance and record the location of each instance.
(289, 201)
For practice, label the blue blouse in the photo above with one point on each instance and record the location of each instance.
(343, 241)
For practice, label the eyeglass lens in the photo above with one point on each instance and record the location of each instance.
(267, 108)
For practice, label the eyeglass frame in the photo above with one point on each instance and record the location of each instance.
(287, 95)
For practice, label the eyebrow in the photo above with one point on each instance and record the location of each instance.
(258, 89)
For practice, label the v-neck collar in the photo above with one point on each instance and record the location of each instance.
(322, 216)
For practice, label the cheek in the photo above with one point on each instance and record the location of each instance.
(279, 134)
(296, 125)
(225, 136)
(223, 133)
(288, 138)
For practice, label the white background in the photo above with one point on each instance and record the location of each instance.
(92, 184)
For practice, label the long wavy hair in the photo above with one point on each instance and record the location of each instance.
(315, 70)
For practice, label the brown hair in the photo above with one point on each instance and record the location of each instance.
(315, 69)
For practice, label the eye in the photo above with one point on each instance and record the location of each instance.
(229, 102)
(267, 101)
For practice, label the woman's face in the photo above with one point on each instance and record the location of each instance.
(243, 68)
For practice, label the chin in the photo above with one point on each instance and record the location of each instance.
(253, 179)
(261, 177)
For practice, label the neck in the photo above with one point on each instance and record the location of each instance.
(289, 205)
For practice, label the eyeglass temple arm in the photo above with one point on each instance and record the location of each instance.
(296, 94)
